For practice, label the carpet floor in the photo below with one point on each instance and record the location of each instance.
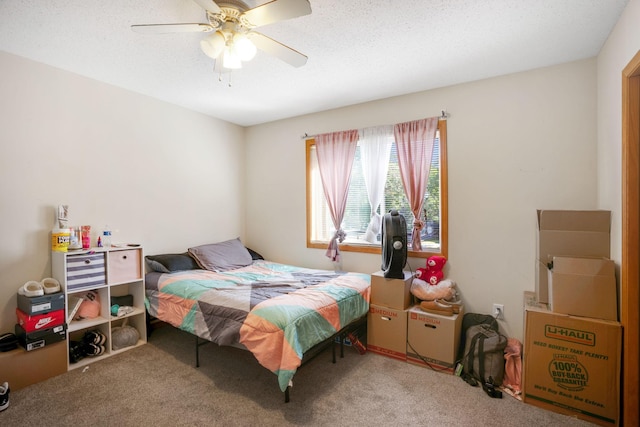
(157, 384)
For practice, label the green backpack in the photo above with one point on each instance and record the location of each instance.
(484, 354)
(481, 352)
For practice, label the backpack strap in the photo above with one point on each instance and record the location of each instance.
(481, 357)
(471, 353)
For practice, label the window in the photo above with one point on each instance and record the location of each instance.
(320, 228)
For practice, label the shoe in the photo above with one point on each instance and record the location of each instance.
(31, 289)
(76, 351)
(93, 350)
(455, 305)
(50, 285)
(436, 308)
(4, 396)
(8, 342)
(94, 337)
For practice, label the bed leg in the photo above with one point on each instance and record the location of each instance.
(341, 346)
(197, 353)
(333, 353)
(286, 395)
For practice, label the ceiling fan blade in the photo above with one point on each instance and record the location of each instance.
(276, 10)
(171, 28)
(277, 49)
(209, 6)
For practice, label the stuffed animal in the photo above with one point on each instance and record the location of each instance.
(433, 272)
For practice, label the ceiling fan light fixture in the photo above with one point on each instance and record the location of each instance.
(213, 44)
(230, 59)
(244, 47)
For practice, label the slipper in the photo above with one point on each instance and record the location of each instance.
(31, 289)
(50, 285)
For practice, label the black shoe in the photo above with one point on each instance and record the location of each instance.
(76, 351)
(4, 396)
(94, 337)
(93, 350)
(491, 390)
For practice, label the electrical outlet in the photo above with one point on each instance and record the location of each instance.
(498, 311)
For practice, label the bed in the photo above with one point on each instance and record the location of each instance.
(227, 294)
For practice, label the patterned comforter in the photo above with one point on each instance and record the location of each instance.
(276, 311)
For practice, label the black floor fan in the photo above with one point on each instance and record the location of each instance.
(394, 245)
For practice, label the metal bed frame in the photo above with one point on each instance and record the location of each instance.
(312, 352)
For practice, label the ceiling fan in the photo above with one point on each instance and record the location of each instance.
(232, 38)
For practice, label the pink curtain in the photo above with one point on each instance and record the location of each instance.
(335, 157)
(415, 146)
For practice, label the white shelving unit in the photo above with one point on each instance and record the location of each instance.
(114, 271)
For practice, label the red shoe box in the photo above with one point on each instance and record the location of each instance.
(37, 322)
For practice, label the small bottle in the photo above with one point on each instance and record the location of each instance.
(106, 237)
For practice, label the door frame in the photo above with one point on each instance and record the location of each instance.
(630, 269)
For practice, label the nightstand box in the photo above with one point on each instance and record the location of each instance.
(35, 340)
(433, 339)
(392, 293)
(36, 322)
(387, 332)
(43, 304)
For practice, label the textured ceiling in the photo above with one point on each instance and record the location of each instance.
(359, 50)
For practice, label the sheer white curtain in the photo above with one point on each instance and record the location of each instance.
(375, 150)
(336, 152)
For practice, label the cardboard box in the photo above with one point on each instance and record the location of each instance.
(569, 233)
(583, 287)
(43, 304)
(571, 364)
(392, 293)
(39, 339)
(433, 339)
(21, 368)
(387, 332)
(36, 322)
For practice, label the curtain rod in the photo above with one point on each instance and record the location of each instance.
(444, 115)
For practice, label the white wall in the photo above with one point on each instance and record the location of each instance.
(170, 178)
(622, 45)
(158, 174)
(516, 143)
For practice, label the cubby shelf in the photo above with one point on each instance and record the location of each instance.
(111, 272)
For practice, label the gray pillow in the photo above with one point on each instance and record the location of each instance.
(166, 263)
(221, 256)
